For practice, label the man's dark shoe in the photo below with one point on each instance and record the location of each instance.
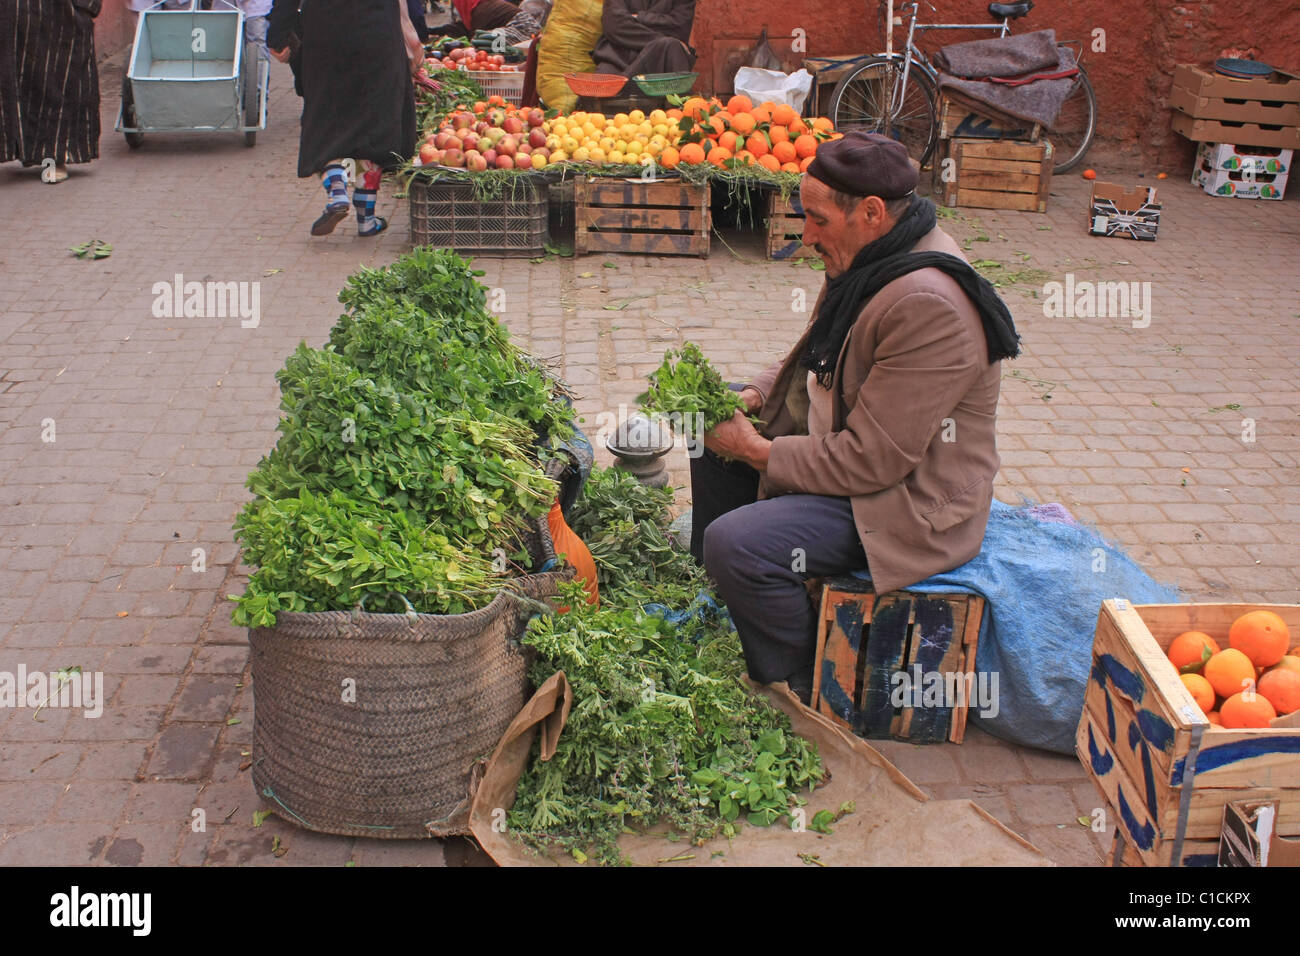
(801, 685)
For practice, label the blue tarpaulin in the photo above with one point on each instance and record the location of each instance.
(1043, 577)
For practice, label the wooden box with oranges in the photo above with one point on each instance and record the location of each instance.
(1164, 764)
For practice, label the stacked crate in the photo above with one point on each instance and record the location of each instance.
(664, 218)
(988, 159)
(1242, 125)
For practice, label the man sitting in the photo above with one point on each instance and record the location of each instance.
(645, 36)
(878, 446)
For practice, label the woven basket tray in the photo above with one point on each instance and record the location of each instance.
(432, 696)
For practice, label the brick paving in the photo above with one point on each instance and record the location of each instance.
(157, 421)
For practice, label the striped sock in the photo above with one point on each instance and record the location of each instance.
(364, 201)
(335, 181)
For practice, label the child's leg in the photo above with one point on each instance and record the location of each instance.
(363, 198)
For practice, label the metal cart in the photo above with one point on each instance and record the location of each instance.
(192, 71)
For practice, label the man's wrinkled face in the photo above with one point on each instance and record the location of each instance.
(838, 235)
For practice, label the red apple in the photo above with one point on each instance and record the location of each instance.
(536, 117)
(491, 156)
(482, 126)
(427, 154)
(523, 150)
(505, 162)
(523, 161)
(507, 146)
(443, 140)
(462, 120)
(469, 141)
(537, 137)
(476, 162)
(453, 157)
(512, 125)
(541, 151)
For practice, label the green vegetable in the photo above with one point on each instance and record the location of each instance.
(662, 729)
(687, 386)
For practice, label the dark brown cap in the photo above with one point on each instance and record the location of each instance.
(865, 164)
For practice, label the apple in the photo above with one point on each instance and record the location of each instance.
(537, 137)
(453, 157)
(469, 142)
(427, 154)
(508, 146)
(443, 140)
(496, 116)
(505, 162)
(491, 156)
(482, 126)
(523, 150)
(523, 161)
(475, 161)
(512, 125)
(552, 142)
(541, 152)
(462, 120)
(536, 117)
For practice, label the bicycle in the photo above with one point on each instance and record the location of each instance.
(907, 82)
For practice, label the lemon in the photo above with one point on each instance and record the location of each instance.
(596, 155)
(597, 118)
(579, 118)
(569, 144)
(633, 149)
(558, 156)
(553, 141)
(539, 161)
(620, 118)
(581, 154)
(616, 157)
(636, 116)
(658, 116)
(608, 143)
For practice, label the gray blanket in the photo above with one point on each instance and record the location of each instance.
(1001, 56)
(1036, 102)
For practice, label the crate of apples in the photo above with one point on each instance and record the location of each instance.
(470, 59)
(493, 135)
(1248, 683)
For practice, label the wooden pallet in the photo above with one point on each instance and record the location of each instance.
(663, 218)
(993, 174)
(785, 229)
(865, 639)
(1165, 772)
(961, 116)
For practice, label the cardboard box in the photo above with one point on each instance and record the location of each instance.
(1262, 159)
(1127, 213)
(1245, 134)
(1249, 836)
(1239, 184)
(1280, 87)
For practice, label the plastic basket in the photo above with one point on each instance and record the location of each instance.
(508, 86)
(447, 215)
(661, 84)
(595, 85)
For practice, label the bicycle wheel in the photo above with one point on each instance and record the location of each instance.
(1071, 134)
(861, 101)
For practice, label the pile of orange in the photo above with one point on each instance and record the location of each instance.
(1251, 681)
(770, 135)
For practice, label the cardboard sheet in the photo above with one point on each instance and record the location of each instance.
(894, 823)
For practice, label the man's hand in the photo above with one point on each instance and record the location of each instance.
(752, 399)
(737, 438)
(281, 55)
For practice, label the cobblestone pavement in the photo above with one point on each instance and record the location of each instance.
(157, 421)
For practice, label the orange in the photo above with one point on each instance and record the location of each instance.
(1289, 663)
(1229, 672)
(805, 163)
(789, 167)
(761, 114)
(727, 141)
(694, 107)
(669, 157)
(746, 157)
(757, 144)
(783, 115)
(480, 106)
(797, 126)
(674, 114)
(718, 155)
(805, 146)
(692, 154)
(718, 124)
(724, 116)
(496, 100)
(1260, 635)
(778, 134)
(1200, 690)
(1191, 649)
(768, 161)
(739, 104)
(822, 125)
(1237, 711)
(743, 123)
(1214, 718)
(784, 153)
(1281, 688)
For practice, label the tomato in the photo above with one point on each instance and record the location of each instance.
(498, 59)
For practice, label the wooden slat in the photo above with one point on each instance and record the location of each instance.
(1127, 807)
(999, 181)
(987, 199)
(1011, 167)
(596, 217)
(639, 194)
(1164, 622)
(936, 646)
(1000, 149)
(886, 653)
(651, 243)
(970, 639)
(847, 617)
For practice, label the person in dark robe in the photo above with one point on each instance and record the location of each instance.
(49, 84)
(357, 59)
(645, 36)
(474, 15)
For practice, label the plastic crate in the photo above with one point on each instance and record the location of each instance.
(508, 86)
(448, 215)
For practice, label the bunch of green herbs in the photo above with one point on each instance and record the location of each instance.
(686, 386)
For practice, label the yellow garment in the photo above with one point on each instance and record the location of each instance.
(571, 33)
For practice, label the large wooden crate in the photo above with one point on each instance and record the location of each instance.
(865, 639)
(963, 117)
(1165, 773)
(785, 229)
(1009, 174)
(662, 218)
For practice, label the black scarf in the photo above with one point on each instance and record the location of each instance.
(880, 263)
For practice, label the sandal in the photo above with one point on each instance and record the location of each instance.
(383, 224)
(334, 214)
(60, 175)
